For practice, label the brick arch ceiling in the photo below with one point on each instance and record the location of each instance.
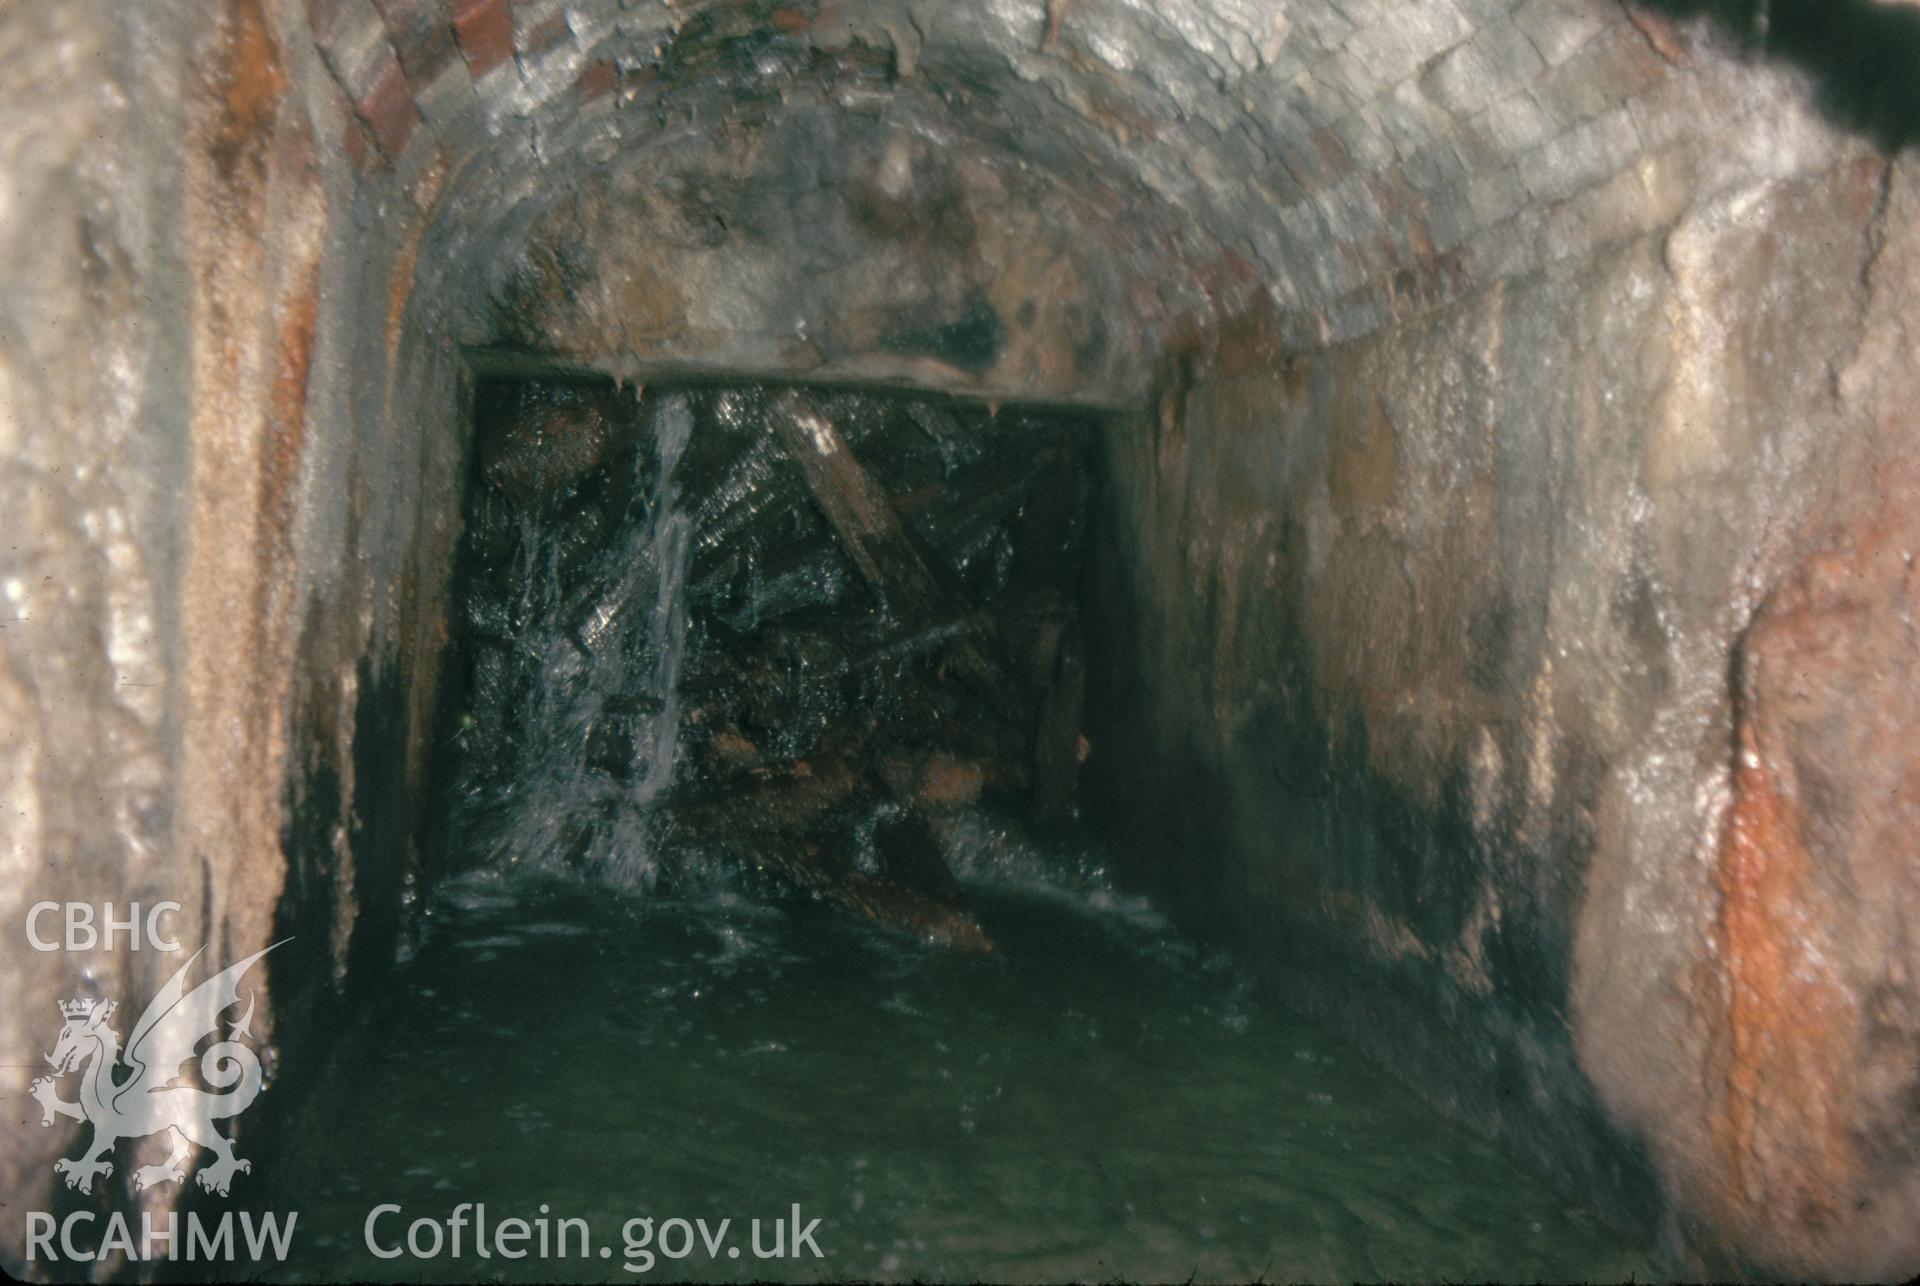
(1351, 159)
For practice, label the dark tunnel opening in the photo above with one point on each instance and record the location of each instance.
(1092, 639)
(794, 629)
(760, 750)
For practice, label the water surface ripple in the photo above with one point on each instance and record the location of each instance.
(1098, 1099)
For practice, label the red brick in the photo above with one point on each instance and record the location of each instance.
(388, 109)
(545, 36)
(485, 29)
(597, 81)
(421, 36)
(359, 146)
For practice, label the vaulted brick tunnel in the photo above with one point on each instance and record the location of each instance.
(1503, 624)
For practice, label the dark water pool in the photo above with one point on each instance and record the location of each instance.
(1098, 1099)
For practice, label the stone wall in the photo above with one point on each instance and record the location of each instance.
(1507, 648)
(1507, 363)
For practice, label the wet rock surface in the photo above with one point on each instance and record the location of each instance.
(1577, 724)
(1817, 1024)
(786, 629)
(1487, 366)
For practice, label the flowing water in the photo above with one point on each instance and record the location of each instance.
(1096, 1099)
(576, 653)
(640, 1053)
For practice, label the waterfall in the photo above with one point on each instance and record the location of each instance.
(578, 720)
(671, 542)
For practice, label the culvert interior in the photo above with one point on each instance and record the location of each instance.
(1428, 484)
(788, 630)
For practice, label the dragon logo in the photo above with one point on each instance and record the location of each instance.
(146, 1100)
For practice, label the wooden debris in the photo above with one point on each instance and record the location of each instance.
(819, 740)
(880, 545)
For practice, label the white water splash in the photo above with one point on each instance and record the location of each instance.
(605, 672)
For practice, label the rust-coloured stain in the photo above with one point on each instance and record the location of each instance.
(254, 258)
(400, 283)
(1816, 836)
(287, 403)
(250, 85)
(1780, 1010)
(1810, 1014)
